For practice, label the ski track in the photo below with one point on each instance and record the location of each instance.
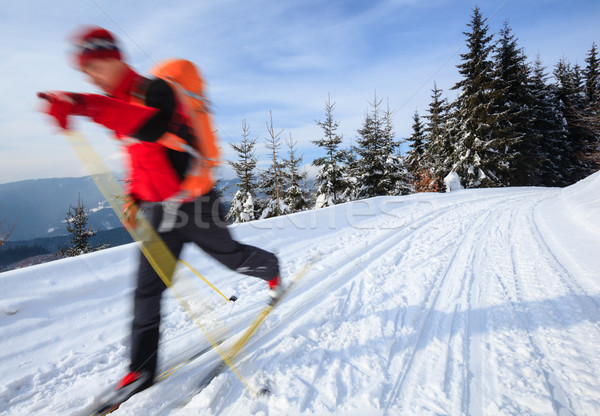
(526, 280)
(439, 307)
(458, 288)
(432, 302)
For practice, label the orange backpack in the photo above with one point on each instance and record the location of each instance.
(186, 81)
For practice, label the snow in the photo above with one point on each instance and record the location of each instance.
(101, 205)
(479, 302)
(324, 200)
(452, 182)
(583, 203)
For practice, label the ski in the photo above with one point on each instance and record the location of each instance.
(111, 403)
(111, 400)
(233, 353)
(176, 366)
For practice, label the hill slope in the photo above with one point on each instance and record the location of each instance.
(475, 302)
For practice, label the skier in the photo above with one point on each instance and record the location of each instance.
(142, 112)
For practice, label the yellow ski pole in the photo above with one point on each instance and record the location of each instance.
(233, 298)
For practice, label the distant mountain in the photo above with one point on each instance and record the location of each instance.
(38, 207)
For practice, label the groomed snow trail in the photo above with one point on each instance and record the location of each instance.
(468, 303)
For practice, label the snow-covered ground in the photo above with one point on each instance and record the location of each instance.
(477, 302)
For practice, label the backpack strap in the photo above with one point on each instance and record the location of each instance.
(140, 87)
(179, 135)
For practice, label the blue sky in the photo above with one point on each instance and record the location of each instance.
(261, 56)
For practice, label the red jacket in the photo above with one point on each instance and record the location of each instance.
(156, 129)
(155, 172)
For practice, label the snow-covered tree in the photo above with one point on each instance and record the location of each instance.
(548, 128)
(379, 163)
(438, 138)
(415, 160)
(592, 76)
(242, 207)
(591, 117)
(397, 174)
(572, 102)
(331, 180)
(77, 225)
(475, 158)
(516, 148)
(295, 196)
(352, 172)
(272, 181)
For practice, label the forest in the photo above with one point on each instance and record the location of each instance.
(513, 123)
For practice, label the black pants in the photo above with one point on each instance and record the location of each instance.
(198, 222)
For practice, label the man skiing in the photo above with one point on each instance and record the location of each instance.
(143, 113)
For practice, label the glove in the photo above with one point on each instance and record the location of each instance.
(121, 117)
(130, 210)
(61, 105)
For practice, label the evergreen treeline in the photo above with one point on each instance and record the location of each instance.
(14, 252)
(512, 124)
(9, 255)
(509, 125)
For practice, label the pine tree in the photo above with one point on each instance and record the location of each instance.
(516, 145)
(242, 206)
(421, 177)
(352, 172)
(572, 102)
(591, 118)
(272, 181)
(548, 129)
(398, 177)
(415, 159)
(438, 149)
(475, 158)
(330, 181)
(592, 77)
(296, 196)
(376, 147)
(77, 225)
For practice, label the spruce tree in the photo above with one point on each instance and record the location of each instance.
(415, 160)
(516, 144)
(438, 149)
(572, 103)
(77, 225)
(352, 173)
(548, 129)
(242, 206)
(592, 77)
(591, 117)
(330, 180)
(417, 163)
(475, 158)
(377, 149)
(295, 196)
(272, 181)
(398, 176)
